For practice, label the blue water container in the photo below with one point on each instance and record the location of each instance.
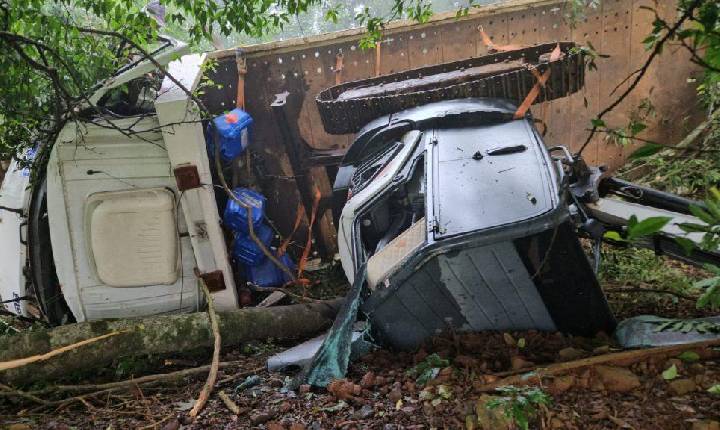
(267, 274)
(233, 131)
(245, 250)
(235, 216)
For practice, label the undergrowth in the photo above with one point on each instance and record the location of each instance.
(635, 267)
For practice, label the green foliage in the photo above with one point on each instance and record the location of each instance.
(710, 296)
(428, 368)
(686, 326)
(634, 267)
(520, 404)
(638, 229)
(670, 373)
(689, 356)
(715, 389)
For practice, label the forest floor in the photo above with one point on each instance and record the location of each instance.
(386, 390)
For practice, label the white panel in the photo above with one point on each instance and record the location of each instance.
(133, 237)
(185, 141)
(94, 160)
(13, 194)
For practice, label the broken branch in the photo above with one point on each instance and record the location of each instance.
(207, 388)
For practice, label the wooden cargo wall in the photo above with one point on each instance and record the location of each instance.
(303, 67)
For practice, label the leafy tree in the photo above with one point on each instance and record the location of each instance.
(55, 51)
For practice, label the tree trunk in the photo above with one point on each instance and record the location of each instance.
(156, 335)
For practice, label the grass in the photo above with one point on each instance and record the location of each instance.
(637, 267)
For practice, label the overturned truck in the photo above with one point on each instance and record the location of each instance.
(447, 201)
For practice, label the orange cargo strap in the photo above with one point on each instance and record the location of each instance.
(377, 58)
(298, 217)
(492, 47)
(241, 64)
(308, 245)
(338, 68)
(541, 81)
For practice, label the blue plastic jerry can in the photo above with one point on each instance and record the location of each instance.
(246, 250)
(267, 274)
(233, 132)
(235, 215)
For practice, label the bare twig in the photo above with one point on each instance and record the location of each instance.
(535, 376)
(643, 70)
(212, 376)
(234, 408)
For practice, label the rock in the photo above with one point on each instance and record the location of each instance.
(680, 387)
(518, 362)
(617, 379)
(490, 419)
(285, 407)
(557, 423)
(304, 388)
(395, 395)
(342, 389)
(604, 349)
(173, 424)
(364, 413)
(570, 353)
(679, 365)
(706, 425)
(465, 361)
(561, 384)
(260, 418)
(368, 380)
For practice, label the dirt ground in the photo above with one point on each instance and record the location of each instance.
(383, 390)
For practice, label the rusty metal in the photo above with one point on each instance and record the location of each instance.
(214, 280)
(187, 177)
(567, 75)
(297, 152)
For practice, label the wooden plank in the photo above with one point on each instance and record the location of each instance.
(551, 26)
(585, 105)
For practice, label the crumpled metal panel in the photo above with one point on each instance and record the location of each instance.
(350, 114)
(472, 289)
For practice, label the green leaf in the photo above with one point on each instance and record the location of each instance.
(686, 244)
(715, 389)
(613, 236)
(702, 214)
(646, 151)
(598, 123)
(689, 356)
(670, 373)
(647, 227)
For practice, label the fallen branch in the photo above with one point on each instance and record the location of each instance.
(234, 408)
(163, 334)
(20, 362)
(535, 376)
(212, 376)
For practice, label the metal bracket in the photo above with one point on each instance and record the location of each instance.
(187, 177)
(214, 280)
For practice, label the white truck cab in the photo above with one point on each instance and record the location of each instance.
(123, 219)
